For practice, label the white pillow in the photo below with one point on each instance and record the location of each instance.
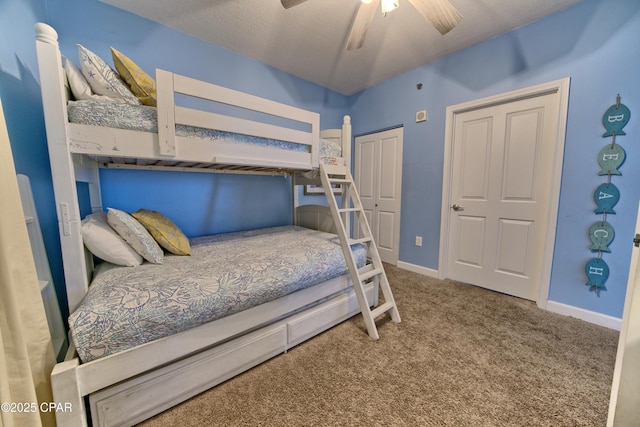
(135, 235)
(79, 85)
(105, 243)
(102, 79)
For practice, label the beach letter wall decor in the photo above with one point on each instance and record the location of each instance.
(607, 195)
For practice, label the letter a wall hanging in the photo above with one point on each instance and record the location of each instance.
(607, 195)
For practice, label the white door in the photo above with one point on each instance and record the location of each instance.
(378, 177)
(500, 187)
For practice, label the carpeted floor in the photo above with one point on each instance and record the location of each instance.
(462, 356)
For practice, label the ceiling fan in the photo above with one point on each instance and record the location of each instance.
(440, 13)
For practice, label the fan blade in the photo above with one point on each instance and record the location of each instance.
(290, 3)
(361, 23)
(442, 15)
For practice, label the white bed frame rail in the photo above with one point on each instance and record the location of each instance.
(170, 114)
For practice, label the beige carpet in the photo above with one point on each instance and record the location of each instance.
(462, 356)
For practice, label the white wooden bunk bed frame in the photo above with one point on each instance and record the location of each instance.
(130, 386)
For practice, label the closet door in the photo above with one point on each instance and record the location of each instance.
(378, 177)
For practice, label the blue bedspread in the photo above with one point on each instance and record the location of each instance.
(226, 273)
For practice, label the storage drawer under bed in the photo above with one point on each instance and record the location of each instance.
(140, 398)
(314, 321)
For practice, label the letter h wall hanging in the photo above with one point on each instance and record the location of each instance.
(610, 158)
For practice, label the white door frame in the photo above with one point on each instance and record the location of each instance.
(558, 86)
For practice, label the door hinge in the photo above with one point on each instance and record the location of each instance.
(636, 241)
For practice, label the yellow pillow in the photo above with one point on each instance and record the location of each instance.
(142, 84)
(166, 233)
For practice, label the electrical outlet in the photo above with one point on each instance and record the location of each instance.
(418, 240)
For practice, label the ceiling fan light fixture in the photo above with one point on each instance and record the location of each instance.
(389, 5)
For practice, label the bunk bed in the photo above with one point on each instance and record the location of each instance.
(127, 384)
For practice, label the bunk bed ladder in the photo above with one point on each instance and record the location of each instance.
(373, 271)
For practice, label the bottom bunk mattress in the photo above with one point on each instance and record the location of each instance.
(225, 274)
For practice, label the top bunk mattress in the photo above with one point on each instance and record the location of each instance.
(144, 118)
(225, 274)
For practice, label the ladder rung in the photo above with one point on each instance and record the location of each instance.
(340, 180)
(367, 272)
(349, 210)
(381, 309)
(363, 240)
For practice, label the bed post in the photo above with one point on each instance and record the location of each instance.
(166, 114)
(66, 393)
(346, 154)
(346, 141)
(54, 100)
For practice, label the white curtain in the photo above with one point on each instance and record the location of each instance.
(26, 350)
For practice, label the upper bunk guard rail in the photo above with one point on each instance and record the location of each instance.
(90, 140)
(170, 114)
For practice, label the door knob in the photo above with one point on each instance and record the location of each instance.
(457, 207)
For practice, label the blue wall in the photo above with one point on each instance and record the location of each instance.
(22, 104)
(595, 43)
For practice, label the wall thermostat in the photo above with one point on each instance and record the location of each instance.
(421, 116)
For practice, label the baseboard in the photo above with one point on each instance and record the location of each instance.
(586, 315)
(418, 269)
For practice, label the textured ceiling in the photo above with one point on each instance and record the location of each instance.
(309, 40)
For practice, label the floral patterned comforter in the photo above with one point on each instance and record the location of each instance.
(226, 273)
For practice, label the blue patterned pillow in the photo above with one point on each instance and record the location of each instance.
(329, 148)
(135, 235)
(102, 79)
